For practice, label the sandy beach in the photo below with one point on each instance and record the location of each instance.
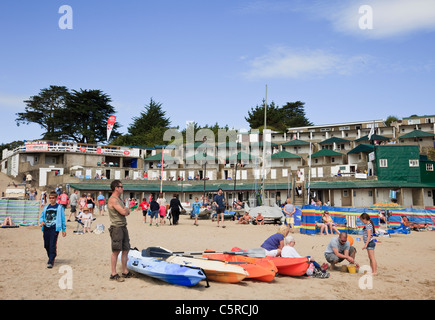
(405, 265)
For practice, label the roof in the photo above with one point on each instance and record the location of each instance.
(333, 139)
(362, 148)
(284, 155)
(200, 157)
(417, 134)
(296, 142)
(372, 138)
(260, 144)
(352, 184)
(186, 186)
(326, 153)
(241, 156)
(158, 157)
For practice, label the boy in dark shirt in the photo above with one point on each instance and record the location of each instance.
(52, 221)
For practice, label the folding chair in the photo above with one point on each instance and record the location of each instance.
(351, 223)
(80, 225)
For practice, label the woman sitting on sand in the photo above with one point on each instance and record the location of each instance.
(327, 220)
(275, 242)
(8, 222)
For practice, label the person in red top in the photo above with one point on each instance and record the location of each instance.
(63, 200)
(145, 206)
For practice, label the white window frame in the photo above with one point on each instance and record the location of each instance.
(414, 163)
(383, 163)
(429, 166)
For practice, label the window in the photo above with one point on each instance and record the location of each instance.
(429, 166)
(383, 163)
(413, 163)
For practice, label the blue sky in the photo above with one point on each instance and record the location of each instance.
(210, 60)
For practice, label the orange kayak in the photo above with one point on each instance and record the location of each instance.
(258, 268)
(291, 266)
(287, 266)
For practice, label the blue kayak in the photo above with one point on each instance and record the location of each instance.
(162, 270)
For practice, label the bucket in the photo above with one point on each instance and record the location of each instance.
(351, 268)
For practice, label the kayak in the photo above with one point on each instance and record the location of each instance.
(163, 270)
(288, 266)
(258, 268)
(214, 270)
(291, 266)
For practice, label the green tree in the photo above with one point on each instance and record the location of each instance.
(390, 119)
(255, 117)
(152, 117)
(46, 109)
(85, 119)
(148, 128)
(294, 115)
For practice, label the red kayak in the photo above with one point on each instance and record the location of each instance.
(258, 268)
(288, 266)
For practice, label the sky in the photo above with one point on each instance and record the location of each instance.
(210, 60)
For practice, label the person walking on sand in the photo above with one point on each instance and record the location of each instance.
(369, 242)
(52, 221)
(196, 207)
(289, 211)
(219, 202)
(175, 206)
(118, 230)
(144, 205)
(73, 201)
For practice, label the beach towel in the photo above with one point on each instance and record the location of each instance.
(393, 194)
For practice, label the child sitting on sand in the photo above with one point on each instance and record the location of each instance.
(259, 219)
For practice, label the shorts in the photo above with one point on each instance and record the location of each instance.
(220, 210)
(332, 258)
(73, 209)
(120, 238)
(371, 245)
(144, 212)
(290, 220)
(162, 211)
(90, 205)
(154, 214)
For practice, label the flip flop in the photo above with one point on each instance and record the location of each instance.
(116, 277)
(127, 275)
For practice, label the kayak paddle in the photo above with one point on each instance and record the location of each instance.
(160, 252)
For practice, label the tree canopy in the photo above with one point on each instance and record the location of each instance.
(79, 116)
(292, 114)
(148, 128)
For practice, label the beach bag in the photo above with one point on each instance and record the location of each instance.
(310, 270)
(99, 229)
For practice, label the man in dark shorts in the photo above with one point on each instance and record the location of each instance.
(219, 202)
(118, 230)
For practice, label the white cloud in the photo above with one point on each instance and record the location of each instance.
(391, 18)
(284, 62)
(10, 102)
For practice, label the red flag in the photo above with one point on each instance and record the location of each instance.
(110, 124)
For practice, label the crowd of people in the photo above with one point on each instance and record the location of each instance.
(52, 221)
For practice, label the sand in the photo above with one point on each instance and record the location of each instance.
(405, 265)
